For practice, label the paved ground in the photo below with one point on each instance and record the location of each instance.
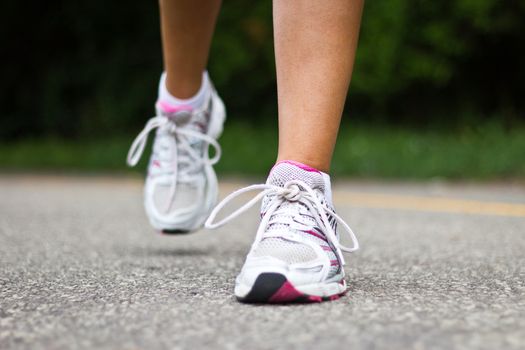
(80, 268)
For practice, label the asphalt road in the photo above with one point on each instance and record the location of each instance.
(441, 267)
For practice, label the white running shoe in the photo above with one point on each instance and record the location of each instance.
(181, 186)
(296, 256)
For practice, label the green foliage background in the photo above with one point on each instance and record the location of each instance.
(90, 68)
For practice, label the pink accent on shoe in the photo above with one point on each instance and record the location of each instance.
(299, 165)
(155, 163)
(285, 294)
(167, 108)
(326, 248)
(334, 262)
(313, 233)
(315, 299)
(202, 127)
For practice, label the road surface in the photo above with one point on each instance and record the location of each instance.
(442, 266)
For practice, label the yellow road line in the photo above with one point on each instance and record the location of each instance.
(433, 204)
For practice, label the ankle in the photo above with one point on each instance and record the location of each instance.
(194, 100)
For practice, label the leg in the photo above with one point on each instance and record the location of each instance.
(181, 185)
(315, 43)
(187, 29)
(298, 256)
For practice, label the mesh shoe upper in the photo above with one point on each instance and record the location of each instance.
(190, 176)
(295, 217)
(181, 186)
(296, 248)
(298, 225)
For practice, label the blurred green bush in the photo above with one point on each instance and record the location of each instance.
(91, 68)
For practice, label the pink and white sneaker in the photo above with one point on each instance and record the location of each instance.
(296, 256)
(181, 186)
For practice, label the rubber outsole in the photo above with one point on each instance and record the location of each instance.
(274, 288)
(174, 232)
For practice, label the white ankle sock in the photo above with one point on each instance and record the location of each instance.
(194, 102)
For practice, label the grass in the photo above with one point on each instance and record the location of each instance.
(483, 153)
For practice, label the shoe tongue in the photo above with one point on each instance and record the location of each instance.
(184, 116)
(281, 173)
(287, 170)
(179, 118)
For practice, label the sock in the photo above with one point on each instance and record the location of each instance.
(168, 102)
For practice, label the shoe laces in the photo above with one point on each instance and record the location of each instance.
(186, 160)
(292, 191)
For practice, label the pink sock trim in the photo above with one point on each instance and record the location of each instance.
(297, 164)
(167, 108)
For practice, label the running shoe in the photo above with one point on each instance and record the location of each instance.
(181, 186)
(296, 256)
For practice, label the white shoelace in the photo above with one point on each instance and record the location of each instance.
(294, 191)
(183, 151)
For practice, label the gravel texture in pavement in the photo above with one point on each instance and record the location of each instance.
(81, 268)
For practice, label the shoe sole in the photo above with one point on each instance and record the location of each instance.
(174, 232)
(274, 288)
(180, 230)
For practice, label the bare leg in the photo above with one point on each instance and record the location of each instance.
(315, 43)
(187, 28)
